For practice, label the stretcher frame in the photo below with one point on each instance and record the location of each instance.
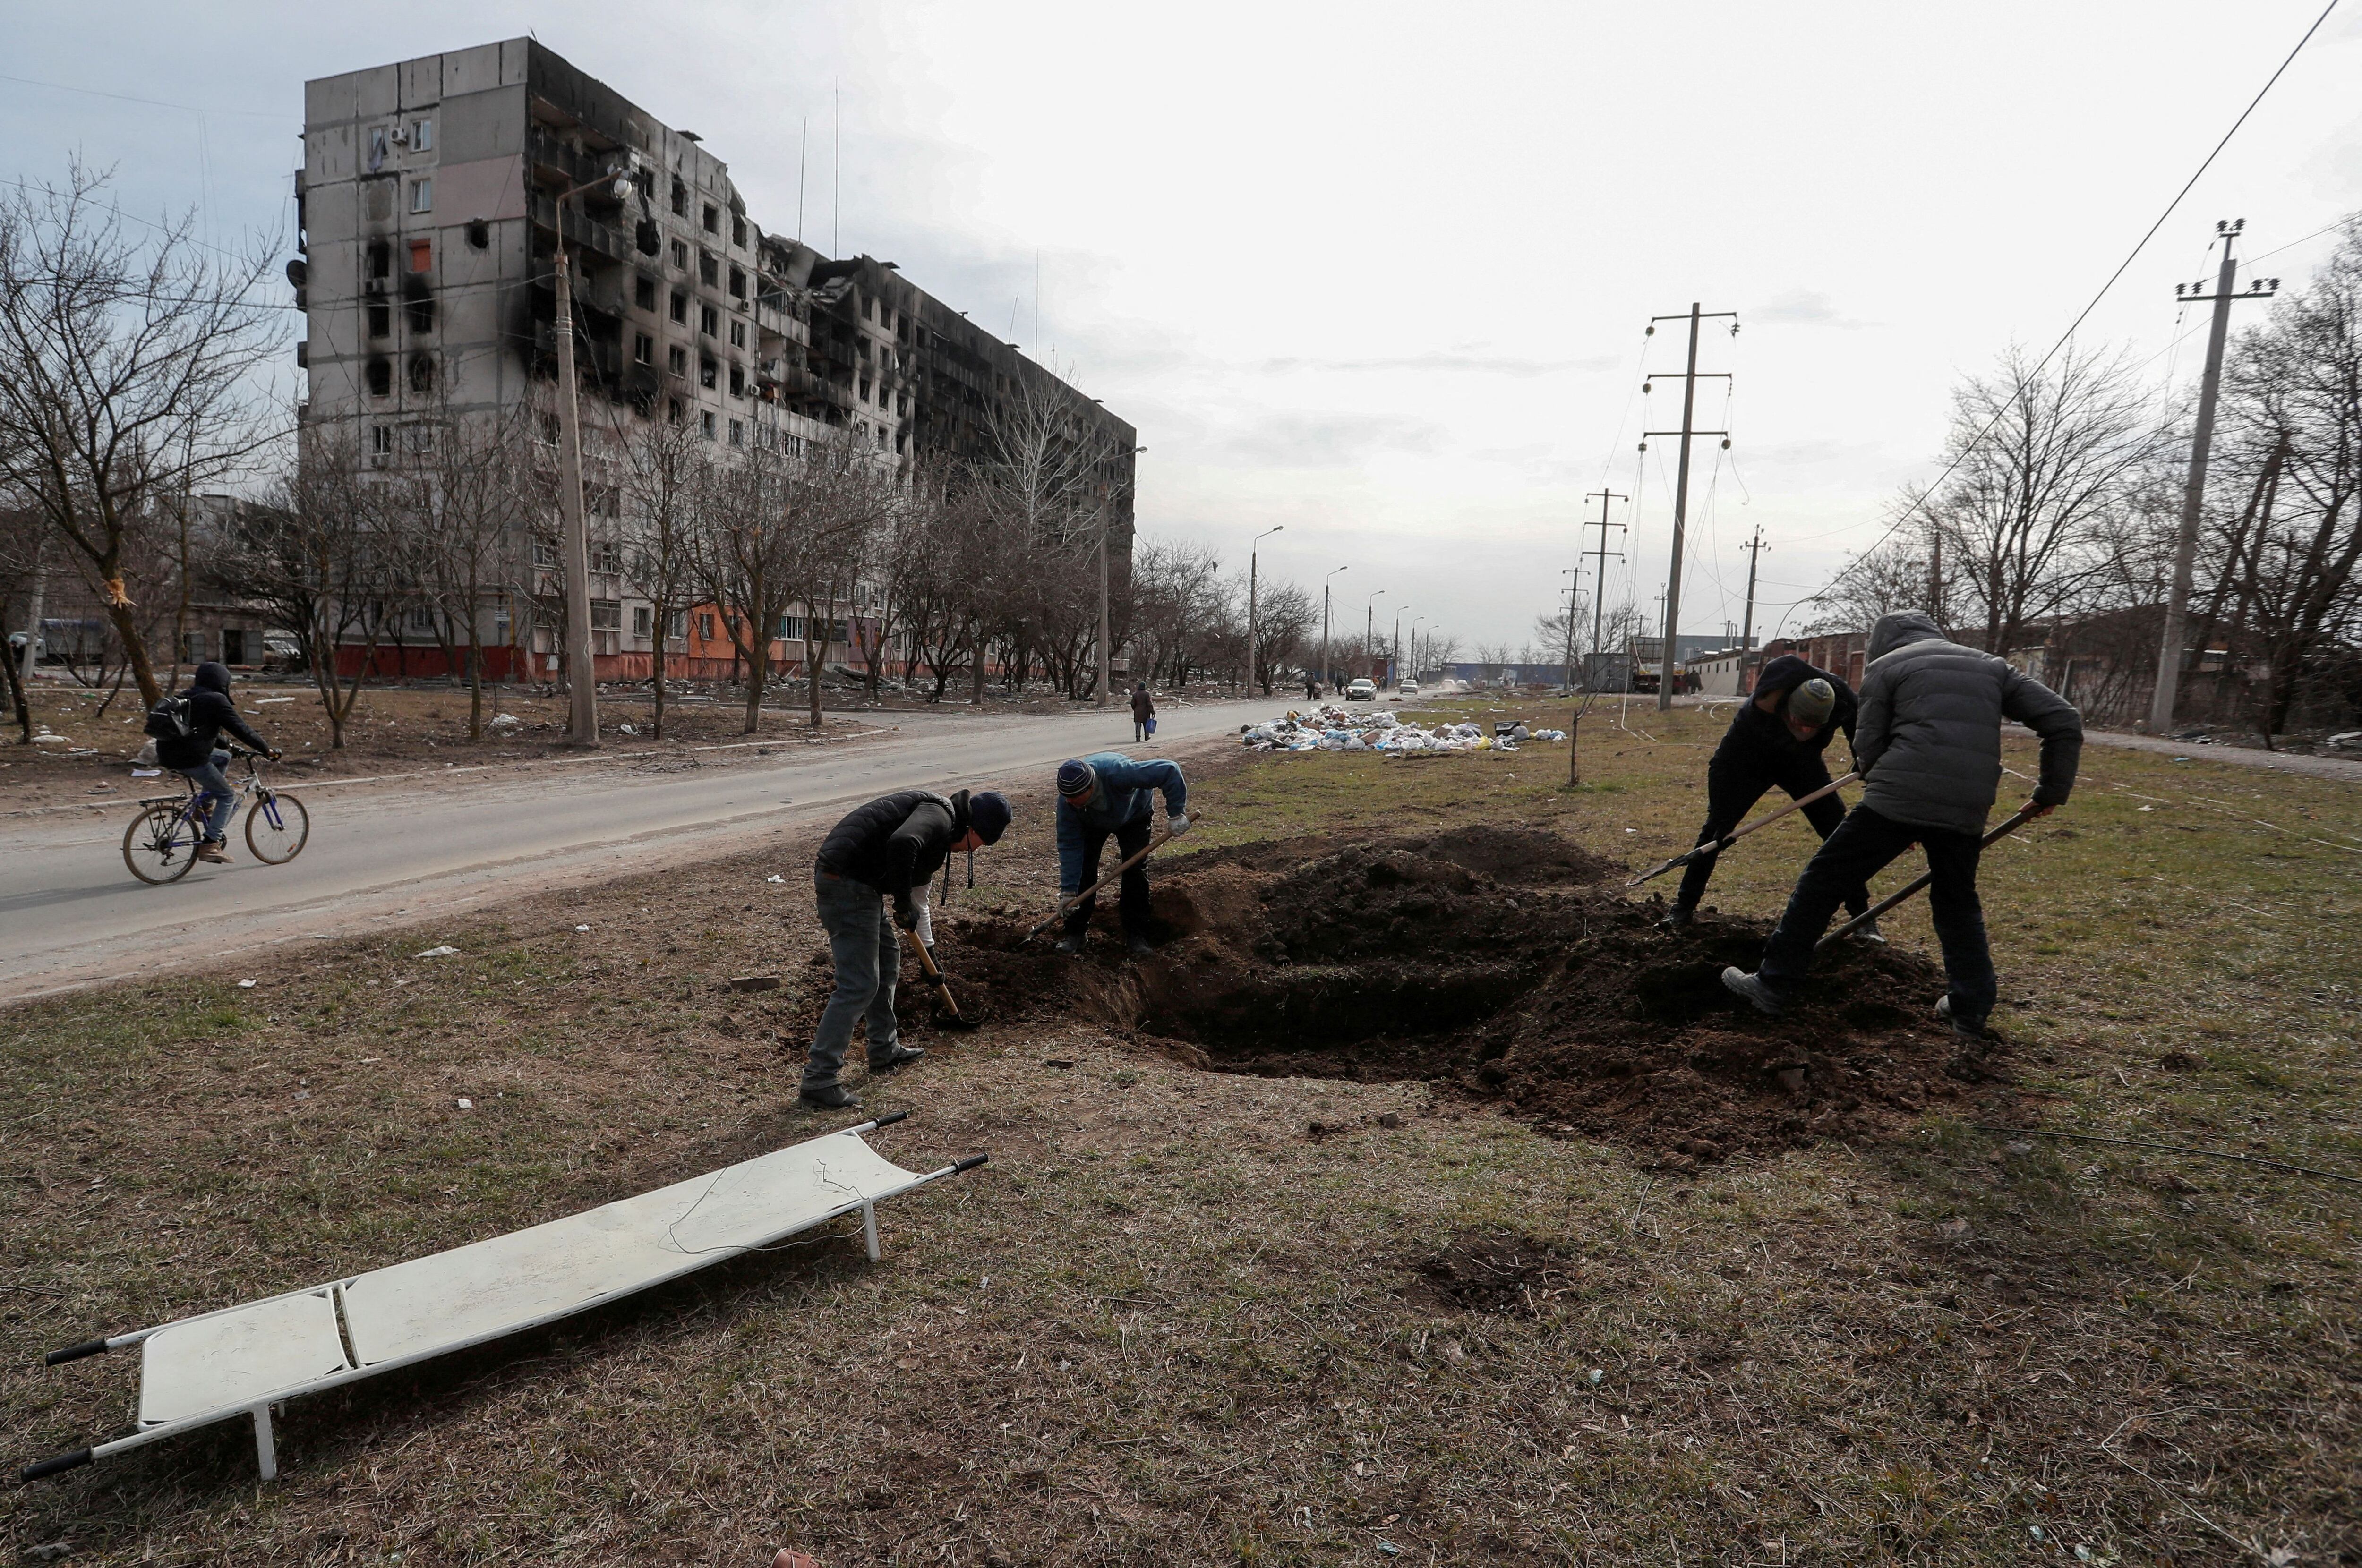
(354, 1365)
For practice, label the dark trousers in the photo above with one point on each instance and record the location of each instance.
(1733, 785)
(1131, 896)
(1859, 848)
(866, 947)
(1138, 728)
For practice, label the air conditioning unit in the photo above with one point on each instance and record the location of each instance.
(400, 136)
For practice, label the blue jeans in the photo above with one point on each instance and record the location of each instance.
(1861, 846)
(215, 791)
(866, 948)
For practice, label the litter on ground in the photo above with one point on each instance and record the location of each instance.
(1332, 728)
(438, 953)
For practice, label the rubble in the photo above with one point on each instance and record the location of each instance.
(1332, 728)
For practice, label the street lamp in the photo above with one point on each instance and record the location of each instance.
(1258, 539)
(1324, 624)
(581, 678)
(1370, 621)
(1394, 649)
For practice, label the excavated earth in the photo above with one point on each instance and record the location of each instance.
(1507, 964)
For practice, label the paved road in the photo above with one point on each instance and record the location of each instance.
(72, 915)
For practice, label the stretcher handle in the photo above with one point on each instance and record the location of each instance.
(47, 1467)
(970, 1163)
(75, 1353)
(890, 1118)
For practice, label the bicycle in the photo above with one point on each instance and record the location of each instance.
(160, 845)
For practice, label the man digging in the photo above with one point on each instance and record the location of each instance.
(1110, 793)
(1776, 738)
(887, 849)
(1927, 745)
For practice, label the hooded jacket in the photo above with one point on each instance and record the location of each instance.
(210, 713)
(1755, 735)
(1927, 741)
(896, 842)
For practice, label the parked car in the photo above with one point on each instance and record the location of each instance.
(1361, 690)
(1407, 691)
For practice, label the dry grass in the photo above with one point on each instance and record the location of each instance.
(1166, 1325)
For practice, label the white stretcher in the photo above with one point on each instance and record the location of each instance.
(242, 1360)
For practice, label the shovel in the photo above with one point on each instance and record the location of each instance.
(943, 991)
(2025, 815)
(1719, 845)
(1066, 906)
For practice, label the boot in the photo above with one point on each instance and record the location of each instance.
(896, 1057)
(1676, 917)
(1867, 932)
(1759, 994)
(1069, 944)
(1961, 1028)
(1138, 945)
(210, 852)
(827, 1096)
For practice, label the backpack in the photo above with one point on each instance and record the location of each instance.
(168, 720)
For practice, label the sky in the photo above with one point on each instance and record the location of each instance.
(1379, 275)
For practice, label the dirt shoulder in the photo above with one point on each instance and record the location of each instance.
(1208, 1310)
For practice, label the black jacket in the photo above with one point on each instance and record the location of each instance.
(896, 842)
(210, 713)
(1758, 736)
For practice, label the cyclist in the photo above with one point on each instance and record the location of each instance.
(188, 739)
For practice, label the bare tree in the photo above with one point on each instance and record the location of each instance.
(2044, 458)
(477, 484)
(669, 483)
(126, 376)
(2295, 406)
(317, 552)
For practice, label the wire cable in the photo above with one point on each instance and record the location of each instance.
(2085, 312)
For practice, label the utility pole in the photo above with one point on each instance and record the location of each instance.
(1369, 624)
(1690, 378)
(1573, 592)
(1259, 538)
(1324, 624)
(1599, 578)
(1747, 627)
(1105, 661)
(2193, 494)
(1394, 648)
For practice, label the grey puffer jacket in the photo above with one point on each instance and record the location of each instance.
(1928, 738)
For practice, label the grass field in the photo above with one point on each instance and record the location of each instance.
(1169, 1325)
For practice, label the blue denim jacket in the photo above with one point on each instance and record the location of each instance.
(1127, 791)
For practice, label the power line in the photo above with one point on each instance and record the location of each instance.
(2084, 315)
(152, 102)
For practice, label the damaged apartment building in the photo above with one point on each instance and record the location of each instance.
(428, 216)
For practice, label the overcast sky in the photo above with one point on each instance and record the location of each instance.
(1380, 273)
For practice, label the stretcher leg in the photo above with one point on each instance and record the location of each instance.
(266, 1454)
(869, 1228)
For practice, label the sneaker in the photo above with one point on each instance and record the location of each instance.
(1138, 945)
(1069, 944)
(1867, 932)
(1961, 1028)
(1759, 994)
(827, 1096)
(1676, 917)
(210, 851)
(902, 1054)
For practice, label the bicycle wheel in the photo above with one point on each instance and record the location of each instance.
(277, 827)
(160, 845)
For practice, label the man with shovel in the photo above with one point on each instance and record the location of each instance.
(887, 849)
(1777, 738)
(1927, 745)
(1104, 794)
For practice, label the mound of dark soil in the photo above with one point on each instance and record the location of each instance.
(1494, 959)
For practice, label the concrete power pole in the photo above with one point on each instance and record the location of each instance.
(1690, 378)
(1747, 627)
(1599, 578)
(2194, 495)
(581, 680)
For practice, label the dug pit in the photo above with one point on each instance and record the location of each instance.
(1507, 964)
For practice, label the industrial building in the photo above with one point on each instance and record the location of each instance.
(428, 211)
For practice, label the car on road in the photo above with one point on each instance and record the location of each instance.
(1407, 691)
(1361, 691)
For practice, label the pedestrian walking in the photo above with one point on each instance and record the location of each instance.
(1144, 713)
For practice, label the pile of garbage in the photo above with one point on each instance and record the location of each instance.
(1332, 728)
